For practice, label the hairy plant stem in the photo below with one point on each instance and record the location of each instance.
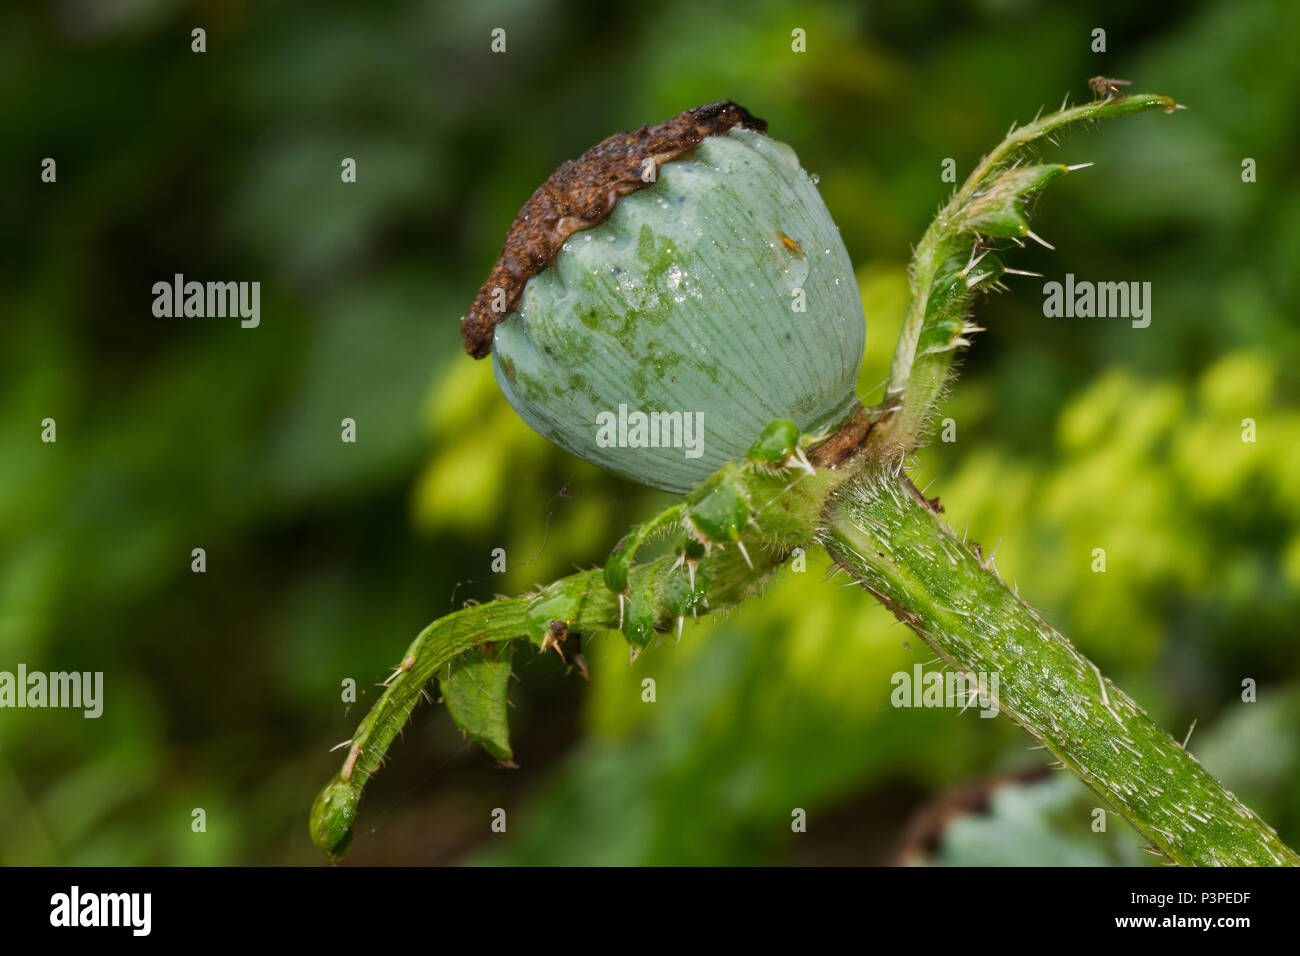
(581, 601)
(884, 534)
(946, 269)
(878, 528)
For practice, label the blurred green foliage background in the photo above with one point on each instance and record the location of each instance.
(323, 559)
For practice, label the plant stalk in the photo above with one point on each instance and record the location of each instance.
(885, 535)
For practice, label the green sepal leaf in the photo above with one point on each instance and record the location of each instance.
(474, 688)
(999, 209)
(721, 515)
(641, 609)
(624, 554)
(952, 263)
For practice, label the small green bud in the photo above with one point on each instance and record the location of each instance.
(776, 443)
(332, 815)
(722, 513)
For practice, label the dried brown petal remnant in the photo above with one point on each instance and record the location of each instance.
(581, 194)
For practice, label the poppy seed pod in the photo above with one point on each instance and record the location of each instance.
(662, 299)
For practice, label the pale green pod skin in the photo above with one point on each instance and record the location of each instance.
(683, 301)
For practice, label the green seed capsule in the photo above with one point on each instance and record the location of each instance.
(659, 342)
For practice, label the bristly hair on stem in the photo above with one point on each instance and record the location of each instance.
(960, 255)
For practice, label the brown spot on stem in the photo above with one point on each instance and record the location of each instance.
(581, 194)
(847, 441)
(932, 505)
(346, 774)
